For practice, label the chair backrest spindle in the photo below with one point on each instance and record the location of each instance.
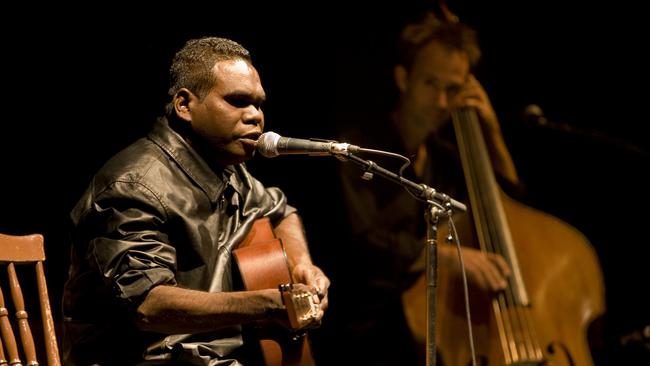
(28, 251)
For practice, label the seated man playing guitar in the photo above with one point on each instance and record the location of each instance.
(153, 279)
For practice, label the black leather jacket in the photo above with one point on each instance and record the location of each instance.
(156, 213)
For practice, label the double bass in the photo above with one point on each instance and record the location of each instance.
(554, 293)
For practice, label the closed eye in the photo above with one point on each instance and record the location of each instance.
(243, 101)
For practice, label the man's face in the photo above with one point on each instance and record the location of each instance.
(436, 77)
(230, 119)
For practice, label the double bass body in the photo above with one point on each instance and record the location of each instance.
(555, 293)
(564, 280)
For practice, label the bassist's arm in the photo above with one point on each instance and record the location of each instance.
(473, 95)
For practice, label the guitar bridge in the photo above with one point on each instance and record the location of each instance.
(300, 305)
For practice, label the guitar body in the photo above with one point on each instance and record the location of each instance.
(263, 264)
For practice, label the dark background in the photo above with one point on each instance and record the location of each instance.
(81, 83)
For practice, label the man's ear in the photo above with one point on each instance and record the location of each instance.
(401, 77)
(181, 103)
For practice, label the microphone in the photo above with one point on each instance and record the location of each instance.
(270, 145)
(534, 116)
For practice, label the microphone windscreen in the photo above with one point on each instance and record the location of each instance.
(267, 144)
(533, 111)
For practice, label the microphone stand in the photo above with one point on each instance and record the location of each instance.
(438, 203)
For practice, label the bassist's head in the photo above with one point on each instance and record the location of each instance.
(435, 59)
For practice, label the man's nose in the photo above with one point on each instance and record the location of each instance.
(253, 115)
(442, 99)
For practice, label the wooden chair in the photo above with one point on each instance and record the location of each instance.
(19, 254)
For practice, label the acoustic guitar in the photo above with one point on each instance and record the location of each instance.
(263, 264)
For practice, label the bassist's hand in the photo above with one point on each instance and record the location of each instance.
(488, 271)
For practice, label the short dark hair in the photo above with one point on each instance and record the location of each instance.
(453, 35)
(192, 65)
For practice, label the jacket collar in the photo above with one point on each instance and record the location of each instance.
(212, 182)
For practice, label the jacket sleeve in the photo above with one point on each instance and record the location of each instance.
(126, 241)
